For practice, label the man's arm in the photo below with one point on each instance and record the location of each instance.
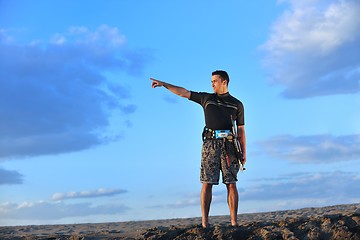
(242, 140)
(180, 91)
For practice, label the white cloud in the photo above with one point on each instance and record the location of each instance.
(43, 210)
(313, 48)
(57, 208)
(320, 187)
(312, 149)
(55, 97)
(58, 39)
(103, 36)
(102, 192)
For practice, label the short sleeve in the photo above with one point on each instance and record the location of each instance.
(240, 115)
(195, 97)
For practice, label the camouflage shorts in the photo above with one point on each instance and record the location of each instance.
(215, 158)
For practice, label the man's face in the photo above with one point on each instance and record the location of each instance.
(218, 84)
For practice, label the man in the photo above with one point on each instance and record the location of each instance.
(218, 152)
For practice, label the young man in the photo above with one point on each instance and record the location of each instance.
(218, 153)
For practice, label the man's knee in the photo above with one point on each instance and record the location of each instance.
(207, 186)
(231, 187)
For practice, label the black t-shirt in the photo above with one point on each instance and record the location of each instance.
(218, 109)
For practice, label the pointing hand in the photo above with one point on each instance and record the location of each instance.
(156, 83)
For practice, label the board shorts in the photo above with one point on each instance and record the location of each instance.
(216, 157)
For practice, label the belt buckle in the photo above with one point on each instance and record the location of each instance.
(221, 133)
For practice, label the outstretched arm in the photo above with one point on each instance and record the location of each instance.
(180, 91)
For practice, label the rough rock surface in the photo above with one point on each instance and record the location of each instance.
(335, 222)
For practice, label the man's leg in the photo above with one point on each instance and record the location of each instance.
(205, 200)
(233, 199)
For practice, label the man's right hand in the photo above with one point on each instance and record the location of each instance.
(156, 83)
(180, 91)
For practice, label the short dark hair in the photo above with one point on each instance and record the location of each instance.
(223, 74)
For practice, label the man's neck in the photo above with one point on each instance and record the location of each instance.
(223, 91)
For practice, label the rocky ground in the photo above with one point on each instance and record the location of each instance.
(335, 222)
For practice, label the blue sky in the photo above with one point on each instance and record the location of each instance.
(84, 137)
